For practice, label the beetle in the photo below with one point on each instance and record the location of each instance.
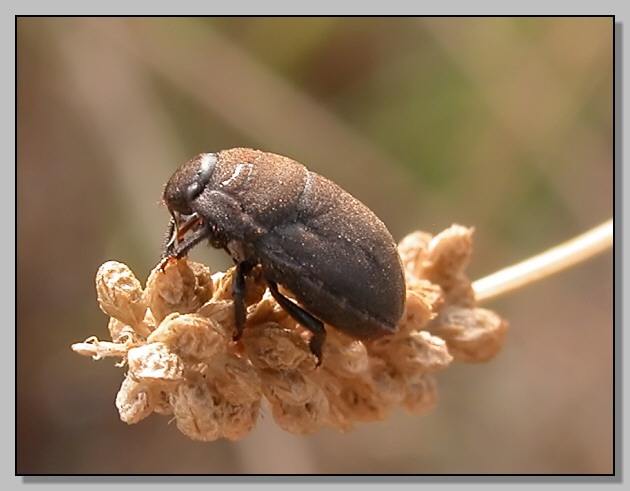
(319, 242)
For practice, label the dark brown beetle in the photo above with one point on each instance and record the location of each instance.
(309, 235)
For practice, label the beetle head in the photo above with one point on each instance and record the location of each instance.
(188, 182)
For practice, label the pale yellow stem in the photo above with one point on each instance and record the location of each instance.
(556, 259)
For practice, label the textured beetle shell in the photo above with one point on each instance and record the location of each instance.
(310, 236)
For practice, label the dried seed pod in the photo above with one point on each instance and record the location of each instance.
(418, 352)
(448, 255)
(202, 413)
(196, 411)
(424, 299)
(301, 419)
(344, 355)
(181, 287)
(160, 402)
(413, 250)
(235, 379)
(119, 331)
(221, 312)
(192, 337)
(298, 403)
(119, 293)
(472, 335)
(271, 346)
(177, 339)
(133, 401)
(238, 419)
(449, 252)
(288, 386)
(358, 399)
(388, 383)
(155, 363)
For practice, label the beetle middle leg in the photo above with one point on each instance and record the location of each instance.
(238, 294)
(306, 319)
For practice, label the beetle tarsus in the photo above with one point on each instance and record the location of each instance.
(164, 262)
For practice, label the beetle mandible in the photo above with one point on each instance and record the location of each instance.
(310, 236)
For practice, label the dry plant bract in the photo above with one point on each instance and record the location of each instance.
(175, 338)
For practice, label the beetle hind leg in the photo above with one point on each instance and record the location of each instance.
(303, 317)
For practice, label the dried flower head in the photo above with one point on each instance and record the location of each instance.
(176, 338)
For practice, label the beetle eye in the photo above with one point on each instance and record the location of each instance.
(194, 189)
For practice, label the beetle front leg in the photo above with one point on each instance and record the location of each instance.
(177, 250)
(175, 244)
(169, 240)
(303, 317)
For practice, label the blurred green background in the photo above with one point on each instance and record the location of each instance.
(504, 124)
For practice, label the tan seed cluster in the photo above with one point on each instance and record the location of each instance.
(176, 338)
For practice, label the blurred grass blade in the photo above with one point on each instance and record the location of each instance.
(549, 262)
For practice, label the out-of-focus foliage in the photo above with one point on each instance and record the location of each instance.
(504, 124)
